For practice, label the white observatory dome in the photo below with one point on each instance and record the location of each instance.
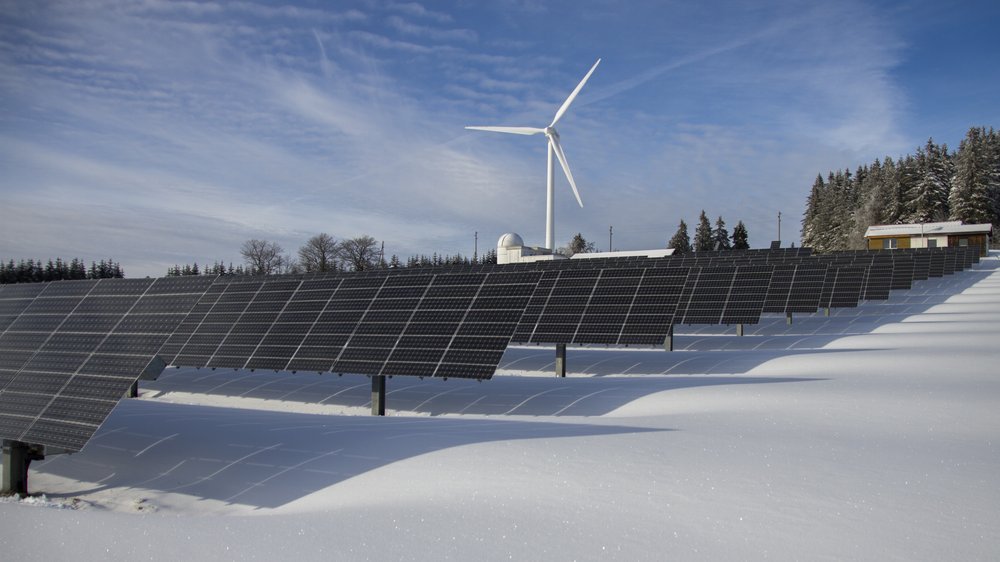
(510, 240)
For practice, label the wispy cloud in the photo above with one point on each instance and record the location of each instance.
(408, 28)
(418, 10)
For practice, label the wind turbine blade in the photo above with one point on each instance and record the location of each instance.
(572, 96)
(513, 130)
(557, 148)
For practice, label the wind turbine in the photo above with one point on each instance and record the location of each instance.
(554, 149)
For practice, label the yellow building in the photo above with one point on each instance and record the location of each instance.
(929, 235)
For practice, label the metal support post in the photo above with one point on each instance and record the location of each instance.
(826, 311)
(16, 458)
(739, 330)
(133, 391)
(378, 395)
(560, 360)
(788, 318)
(668, 342)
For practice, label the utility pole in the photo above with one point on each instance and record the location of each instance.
(475, 251)
(611, 234)
(779, 226)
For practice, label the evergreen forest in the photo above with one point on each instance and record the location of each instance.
(932, 185)
(35, 271)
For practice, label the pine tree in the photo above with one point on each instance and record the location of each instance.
(720, 236)
(680, 242)
(810, 220)
(976, 179)
(993, 152)
(577, 245)
(703, 235)
(740, 237)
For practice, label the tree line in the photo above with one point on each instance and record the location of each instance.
(35, 271)
(932, 185)
(322, 253)
(707, 238)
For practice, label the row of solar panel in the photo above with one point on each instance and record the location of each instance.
(69, 350)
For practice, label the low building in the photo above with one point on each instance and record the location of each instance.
(929, 235)
(511, 249)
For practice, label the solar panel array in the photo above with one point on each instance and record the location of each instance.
(69, 350)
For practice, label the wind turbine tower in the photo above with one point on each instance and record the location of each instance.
(554, 149)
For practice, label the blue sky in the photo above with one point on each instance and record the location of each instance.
(161, 132)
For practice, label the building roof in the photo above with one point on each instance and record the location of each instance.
(658, 253)
(927, 229)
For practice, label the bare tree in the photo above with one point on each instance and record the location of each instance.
(360, 253)
(319, 254)
(287, 264)
(262, 256)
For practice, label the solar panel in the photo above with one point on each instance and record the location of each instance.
(951, 264)
(705, 294)
(902, 270)
(921, 265)
(878, 280)
(842, 288)
(74, 350)
(447, 324)
(974, 253)
(611, 306)
(746, 298)
(724, 295)
(795, 287)
(651, 313)
(936, 267)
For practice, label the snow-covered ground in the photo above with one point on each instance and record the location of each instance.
(871, 434)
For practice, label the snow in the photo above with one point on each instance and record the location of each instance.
(870, 434)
